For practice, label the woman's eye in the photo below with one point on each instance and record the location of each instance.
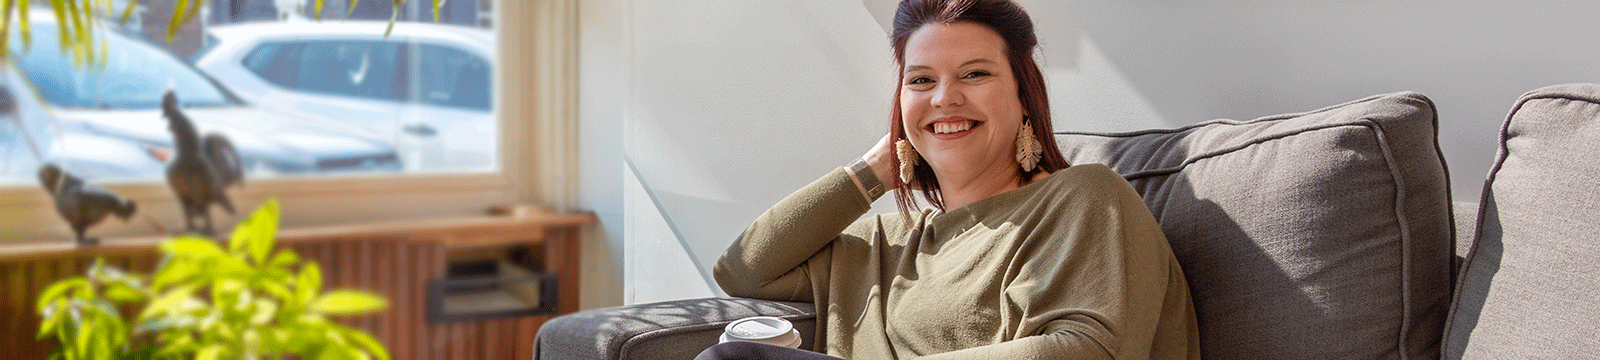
(919, 80)
(977, 74)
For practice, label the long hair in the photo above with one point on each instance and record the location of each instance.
(1013, 24)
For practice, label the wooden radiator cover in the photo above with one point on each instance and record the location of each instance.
(397, 260)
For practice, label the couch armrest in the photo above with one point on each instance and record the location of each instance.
(664, 330)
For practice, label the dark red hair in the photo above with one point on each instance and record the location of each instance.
(1013, 24)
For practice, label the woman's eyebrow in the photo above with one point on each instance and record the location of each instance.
(969, 62)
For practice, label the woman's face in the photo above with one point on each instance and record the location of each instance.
(958, 100)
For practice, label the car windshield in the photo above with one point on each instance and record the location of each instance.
(133, 74)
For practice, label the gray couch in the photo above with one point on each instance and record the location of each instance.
(1324, 234)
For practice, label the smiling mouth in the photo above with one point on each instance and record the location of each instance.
(951, 127)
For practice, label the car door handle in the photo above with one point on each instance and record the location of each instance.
(420, 129)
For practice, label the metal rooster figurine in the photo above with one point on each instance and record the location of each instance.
(82, 204)
(200, 169)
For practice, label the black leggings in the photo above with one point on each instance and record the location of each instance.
(741, 350)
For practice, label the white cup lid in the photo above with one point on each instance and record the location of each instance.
(758, 328)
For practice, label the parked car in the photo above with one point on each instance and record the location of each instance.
(426, 87)
(103, 121)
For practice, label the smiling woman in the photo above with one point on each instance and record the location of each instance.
(325, 168)
(1021, 255)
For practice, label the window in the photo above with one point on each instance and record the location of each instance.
(323, 168)
(451, 77)
(364, 69)
(273, 62)
(298, 98)
(444, 75)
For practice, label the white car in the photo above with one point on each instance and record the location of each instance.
(104, 123)
(426, 87)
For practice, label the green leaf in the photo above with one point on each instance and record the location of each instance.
(276, 289)
(191, 246)
(127, 12)
(178, 13)
(229, 267)
(100, 341)
(175, 271)
(349, 302)
(225, 292)
(311, 320)
(177, 345)
(372, 345)
(54, 291)
(22, 22)
(120, 292)
(309, 283)
(105, 308)
(51, 319)
(283, 259)
(252, 340)
(210, 352)
(97, 272)
(169, 302)
(265, 311)
(257, 232)
(80, 329)
(164, 322)
(5, 25)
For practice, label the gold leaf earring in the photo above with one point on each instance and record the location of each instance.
(908, 160)
(1029, 150)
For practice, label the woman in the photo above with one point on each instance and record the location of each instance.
(1021, 256)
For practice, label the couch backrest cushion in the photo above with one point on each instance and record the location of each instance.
(1530, 283)
(1316, 235)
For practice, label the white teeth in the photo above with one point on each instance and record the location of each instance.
(951, 127)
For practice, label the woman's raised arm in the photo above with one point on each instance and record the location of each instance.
(769, 260)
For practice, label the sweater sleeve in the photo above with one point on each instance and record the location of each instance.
(769, 260)
(1096, 287)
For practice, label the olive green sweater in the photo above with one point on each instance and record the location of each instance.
(1072, 266)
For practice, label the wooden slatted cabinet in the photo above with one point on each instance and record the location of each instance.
(399, 260)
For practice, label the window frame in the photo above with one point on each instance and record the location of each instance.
(534, 103)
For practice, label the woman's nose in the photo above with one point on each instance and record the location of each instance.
(948, 95)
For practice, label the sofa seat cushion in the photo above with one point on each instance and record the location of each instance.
(1530, 280)
(1324, 234)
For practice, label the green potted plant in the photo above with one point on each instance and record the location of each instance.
(204, 301)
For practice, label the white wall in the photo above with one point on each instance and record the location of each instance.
(601, 45)
(722, 107)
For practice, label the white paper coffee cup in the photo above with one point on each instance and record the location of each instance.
(762, 329)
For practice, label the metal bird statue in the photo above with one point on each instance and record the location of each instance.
(82, 204)
(200, 169)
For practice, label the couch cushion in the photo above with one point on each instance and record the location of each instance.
(1530, 279)
(1316, 235)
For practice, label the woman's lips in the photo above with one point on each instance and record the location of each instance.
(951, 128)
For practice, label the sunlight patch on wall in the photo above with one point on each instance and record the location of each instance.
(658, 267)
(1093, 95)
